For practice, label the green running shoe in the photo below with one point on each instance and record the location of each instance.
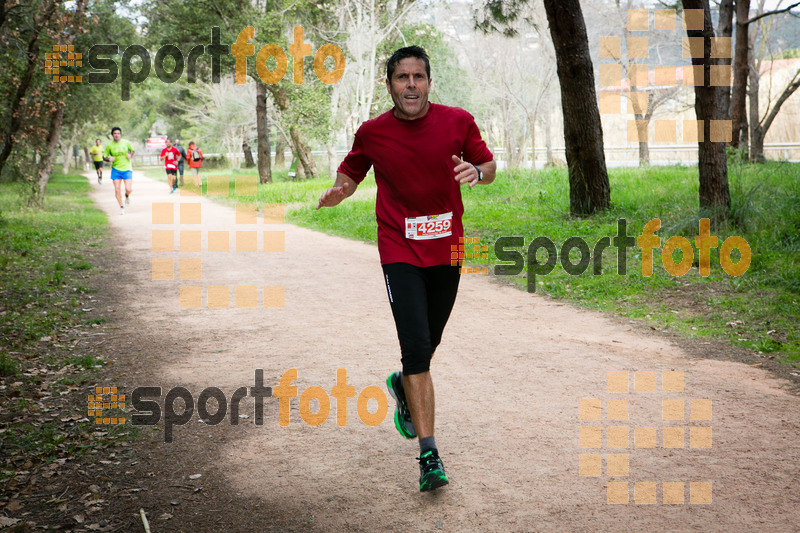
(431, 472)
(402, 416)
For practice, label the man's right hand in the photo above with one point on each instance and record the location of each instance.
(111, 158)
(334, 196)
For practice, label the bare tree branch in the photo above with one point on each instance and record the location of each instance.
(768, 13)
(794, 84)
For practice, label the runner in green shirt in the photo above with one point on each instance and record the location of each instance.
(120, 152)
(97, 156)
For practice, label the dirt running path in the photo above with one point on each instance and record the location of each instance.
(509, 377)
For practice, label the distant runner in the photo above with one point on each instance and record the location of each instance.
(120, 153)
(97, 156)
(182, 150)
(171, 157)
(195, 162)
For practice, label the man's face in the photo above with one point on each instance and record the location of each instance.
(97, 142)
(169, 143)
(117, 135)
(409, 88)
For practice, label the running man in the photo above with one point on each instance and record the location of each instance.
(97, 156)
(171, 157)
(196, 163)
(422, 153)
(119, 152)
(182, 150)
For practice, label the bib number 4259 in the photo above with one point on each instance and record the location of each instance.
(429, 227)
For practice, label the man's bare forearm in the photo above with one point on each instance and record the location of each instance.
(341, 179)
(489, 170)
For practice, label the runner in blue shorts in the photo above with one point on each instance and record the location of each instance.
(120, 153)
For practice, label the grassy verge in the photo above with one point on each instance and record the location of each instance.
(757, 310)
(46, 318)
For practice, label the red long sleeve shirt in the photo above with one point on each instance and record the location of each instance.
(416, 181)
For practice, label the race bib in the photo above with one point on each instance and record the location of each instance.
(429, 227)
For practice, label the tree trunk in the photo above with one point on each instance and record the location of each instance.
(532, 122)
(589, 190)
(262, 129)
(756, 153)
(763, 127)
(46, 163)
(725, 30)
(548, 135)
(710, 105)
(68, 151)
(333, 162)
(744, 140)
(300, 147)
(280, 147)
(304, 153)
(15, 110)
(757, 145)
(644, 146)
(738, 99)
(643, 127)
(725, 23)
(248, 155)
(85, 157)
(508, 144)
(330, 148)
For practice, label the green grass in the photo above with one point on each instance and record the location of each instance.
(42, 260)
(45, 260)
(757, 310)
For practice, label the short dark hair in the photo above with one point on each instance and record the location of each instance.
(409, 51)
(115, 128)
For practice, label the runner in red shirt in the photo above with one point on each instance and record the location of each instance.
(171, 156)
(422, 153)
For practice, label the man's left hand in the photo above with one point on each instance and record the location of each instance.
(465, 172)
